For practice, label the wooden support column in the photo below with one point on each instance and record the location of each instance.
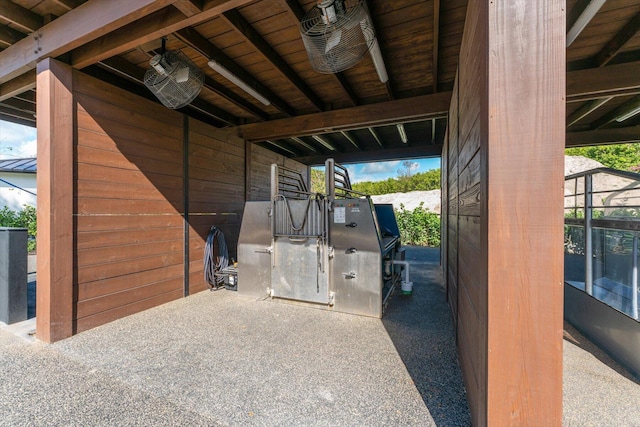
(505, 203)
(55, 111)
(523, 173)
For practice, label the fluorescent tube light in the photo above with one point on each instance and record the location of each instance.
(583, 20)
(236, 80)
(628, 115)
(324, 142)
(403, 133)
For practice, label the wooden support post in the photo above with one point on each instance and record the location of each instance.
(54, 307)
(523, 168)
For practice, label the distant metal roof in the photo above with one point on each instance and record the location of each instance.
(18, 165)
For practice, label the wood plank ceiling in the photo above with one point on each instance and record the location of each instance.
(351, 116)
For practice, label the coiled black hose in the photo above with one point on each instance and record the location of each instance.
(216, 257)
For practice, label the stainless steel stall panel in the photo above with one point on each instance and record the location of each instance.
(254, 258)
(356, 276)
(297, 272)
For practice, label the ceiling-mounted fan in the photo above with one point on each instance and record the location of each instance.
(173, 78)
(337, 34)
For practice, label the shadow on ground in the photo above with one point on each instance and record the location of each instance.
(421, 329)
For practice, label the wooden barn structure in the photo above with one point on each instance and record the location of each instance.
(128, 188)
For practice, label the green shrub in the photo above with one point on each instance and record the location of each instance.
(419, 227)
(26, 218)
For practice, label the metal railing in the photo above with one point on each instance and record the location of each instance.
(602, 226)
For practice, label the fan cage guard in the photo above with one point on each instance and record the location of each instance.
(342, 44)
(167, 87)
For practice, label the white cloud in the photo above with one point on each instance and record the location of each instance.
(17, 140)
(381, 167)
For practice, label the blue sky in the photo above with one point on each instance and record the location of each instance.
(17, 141)
(379, 171)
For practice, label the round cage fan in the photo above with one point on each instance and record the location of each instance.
(173, 79)
(337, 34)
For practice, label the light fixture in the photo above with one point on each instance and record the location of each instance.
(628, 114)
(236, 80)
(583, 20)
(403, 133)
(280, 146)
(378, 62)
(324, 142)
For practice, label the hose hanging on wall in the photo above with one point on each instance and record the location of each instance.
(216, 257)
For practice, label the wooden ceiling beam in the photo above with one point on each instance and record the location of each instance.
(616, 114)
(244, 29)
(602, 82)
(19, 16)
(294, 8)
(148, 28)
(436, 42)
(189, 7)
(10, 36)
(16, 113)
(364, 116)
(425, 150)
(19, 105)
(94, 19)
(203, 46)
(68, 4)
(376, 137)
(586, 109)
(603, 136)
(351, 139)
(18, 85)
(618, 41)
(20, 121)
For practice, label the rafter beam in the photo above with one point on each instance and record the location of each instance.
(603, 136)
(19, 16)
(68, 4)
(406, 152)
(364, 116)
(294, 8)
(351, 139)
(93, 19)
(586, 109)
(10, 36)
(618, 41)
(617, 114)
(18, 85)
(189, 7)
(436, 42)
(203, 46)
(602, 82)
(582, 13)
(149, 28)
(244, 28)
(376, 137)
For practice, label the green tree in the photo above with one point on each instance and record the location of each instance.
(26, 218)
(616, 156)
(419, 227)
(317, 181)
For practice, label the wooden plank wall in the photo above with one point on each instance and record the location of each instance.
(260, 174)
(137, 165)
(129, 203)
(216, 193)
(504, 260)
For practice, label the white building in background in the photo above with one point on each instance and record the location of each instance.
(18, 183)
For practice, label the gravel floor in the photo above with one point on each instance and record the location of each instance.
(216, 358)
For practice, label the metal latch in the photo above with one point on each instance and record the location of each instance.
(331, 252)
(350, 275)
(351, 251)
(265, 250)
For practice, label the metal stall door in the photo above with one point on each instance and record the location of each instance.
(299, 269)
(297, 273)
